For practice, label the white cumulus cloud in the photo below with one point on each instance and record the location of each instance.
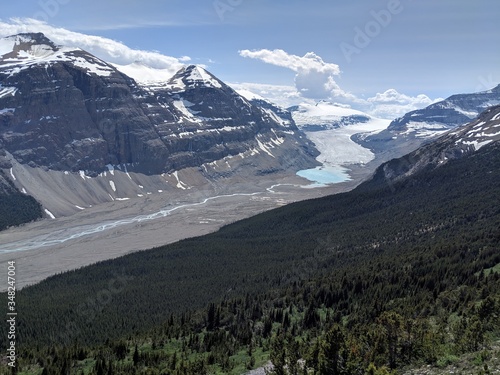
(104, 48)
(314, 78)
(309, 62)
(392, 104)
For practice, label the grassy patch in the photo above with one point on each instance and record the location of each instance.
(447, 360)
(491, 270)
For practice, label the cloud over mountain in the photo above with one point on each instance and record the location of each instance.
(104, 48)
(315, 79)
(392, 104)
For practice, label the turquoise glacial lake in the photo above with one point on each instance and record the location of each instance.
(325, 175)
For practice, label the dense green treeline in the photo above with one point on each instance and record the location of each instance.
(316, 324)
(369, 281)
(16, 208)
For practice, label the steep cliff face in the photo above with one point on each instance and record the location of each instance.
(212, 121)
(77, 132)
(64, 109)
(67, 110)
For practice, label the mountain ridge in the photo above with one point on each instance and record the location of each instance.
(65, 113)
(407, 133)
(455, 144)
(152, 118)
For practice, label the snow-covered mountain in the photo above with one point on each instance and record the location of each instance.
(60, 105)
(24, 51)
(457, 143)
(422, 125)
(444, 115)
(63, 109)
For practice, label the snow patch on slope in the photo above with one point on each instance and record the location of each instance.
(100, 70)
(180, 184)
(425, 129)
(50, 214)
(183, 107)
(6, 91)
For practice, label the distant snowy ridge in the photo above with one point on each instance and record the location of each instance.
(483, 131)
(447, 114)
(407, 133)
(455, 144)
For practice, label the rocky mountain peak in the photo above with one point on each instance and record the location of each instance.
(194, 76)
(22, 51)
(27, 45)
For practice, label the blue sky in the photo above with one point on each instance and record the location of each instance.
(432, 47)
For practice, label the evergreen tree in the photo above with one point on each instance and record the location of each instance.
(332, 349)
(135, 357)
(278, 355)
